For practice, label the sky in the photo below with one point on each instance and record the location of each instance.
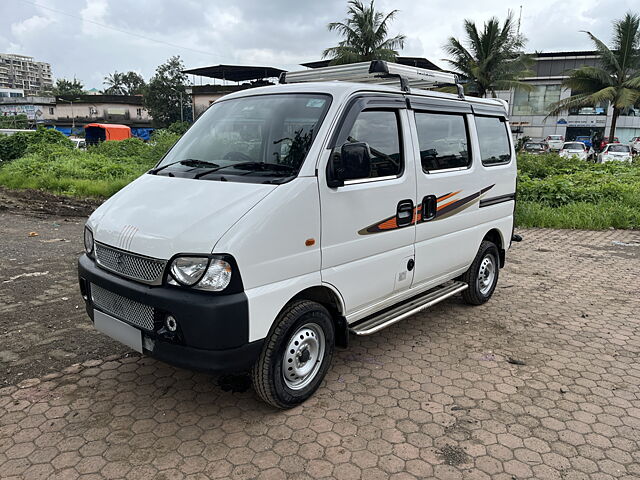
(89, 39)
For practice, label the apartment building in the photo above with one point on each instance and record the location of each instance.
(25, 73)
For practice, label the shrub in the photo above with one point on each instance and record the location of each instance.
(17, 145)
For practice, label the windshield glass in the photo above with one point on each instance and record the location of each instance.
(261, 139)
(619, 148)
(555, 137)
(534, 146)
(574, 146)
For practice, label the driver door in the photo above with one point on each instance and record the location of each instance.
(368, 228)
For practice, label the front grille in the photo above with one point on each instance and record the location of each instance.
(123, 308)
(136, 267)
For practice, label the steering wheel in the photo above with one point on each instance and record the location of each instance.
(237, 156)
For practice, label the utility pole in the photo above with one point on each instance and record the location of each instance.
(519, 20)
(73, 117)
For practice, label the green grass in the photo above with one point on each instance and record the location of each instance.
(552, 192)
(99, 172)
(567, 193)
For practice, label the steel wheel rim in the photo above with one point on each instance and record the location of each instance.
(486, 274)
(300, 368)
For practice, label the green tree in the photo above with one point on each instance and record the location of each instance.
(68, 87)
(165, 98)
(616, 80)
(365, 32)
(129, 83)
(490, 59)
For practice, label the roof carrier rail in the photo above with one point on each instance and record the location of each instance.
(379, 72)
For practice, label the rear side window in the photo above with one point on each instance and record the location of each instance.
(379, 129)
(443, 141)
(494, 140)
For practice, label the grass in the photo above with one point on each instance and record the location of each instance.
(552, 192)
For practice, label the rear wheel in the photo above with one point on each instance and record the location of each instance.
(482, 276)
(296, 355)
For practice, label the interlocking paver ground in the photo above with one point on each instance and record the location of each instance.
(443, 394)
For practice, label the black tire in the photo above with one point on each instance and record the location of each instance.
(267, 373)
(477, 294)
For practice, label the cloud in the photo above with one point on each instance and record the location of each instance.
(280, 33)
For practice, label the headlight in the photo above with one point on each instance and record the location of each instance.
(201, 273)
(188, 271)
(88, 241)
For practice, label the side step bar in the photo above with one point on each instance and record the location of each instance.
(387, 318)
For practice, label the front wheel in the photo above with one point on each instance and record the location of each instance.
(296, 355)
(482, 276)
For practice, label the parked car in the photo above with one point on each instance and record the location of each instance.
(635, 145)
(615, 152)
(605, 142)
(535, 148)
(79, 143)
(575, 149)
(554, 142)
(586, 140)
(219, 257)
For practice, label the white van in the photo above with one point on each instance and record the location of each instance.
(290, 216)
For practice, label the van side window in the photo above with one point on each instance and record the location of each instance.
(379, 129)
(494, 140)
(443, 141)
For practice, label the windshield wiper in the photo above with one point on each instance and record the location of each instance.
(189, 162)
(261, 166)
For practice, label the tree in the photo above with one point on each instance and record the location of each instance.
(166, 99)
(616, 80)
(68, 87)
(491, 59)
(130, 83)
(365, 32)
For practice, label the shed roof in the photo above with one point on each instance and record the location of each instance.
(236, 73)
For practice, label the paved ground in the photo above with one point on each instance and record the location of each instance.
(543, 382)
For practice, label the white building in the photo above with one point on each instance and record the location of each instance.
(22, 72)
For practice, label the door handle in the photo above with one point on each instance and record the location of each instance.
(404, 213)
(429, 207)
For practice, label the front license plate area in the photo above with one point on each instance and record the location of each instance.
(118, 330)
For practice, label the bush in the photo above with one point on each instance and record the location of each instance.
(17, 145)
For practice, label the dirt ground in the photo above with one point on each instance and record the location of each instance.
(542, 382)
(43, 324)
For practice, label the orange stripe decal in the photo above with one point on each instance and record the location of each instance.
(444, 197)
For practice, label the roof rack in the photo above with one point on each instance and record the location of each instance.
(379, 72)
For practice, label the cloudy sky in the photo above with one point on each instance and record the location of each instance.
(91, 38)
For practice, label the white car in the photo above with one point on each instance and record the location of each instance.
(574, 149)
(554, 142)
(615, 152)
(289, 216)
(635, 145)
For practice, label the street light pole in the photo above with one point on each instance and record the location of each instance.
(73, 117)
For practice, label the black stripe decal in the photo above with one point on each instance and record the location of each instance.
(485, 202)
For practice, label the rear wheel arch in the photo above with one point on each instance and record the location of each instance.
(495, 236)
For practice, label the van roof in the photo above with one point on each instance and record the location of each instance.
(341, 90)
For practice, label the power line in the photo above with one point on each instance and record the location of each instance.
(119, 30)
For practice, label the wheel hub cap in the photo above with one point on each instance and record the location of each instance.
(486, 274)
(303, 356)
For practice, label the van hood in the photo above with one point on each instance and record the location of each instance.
(160, 216)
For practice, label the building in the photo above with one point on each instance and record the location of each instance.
(70, 113)
(204, 95)
(22, 72)
(529, 110)
(11, 92)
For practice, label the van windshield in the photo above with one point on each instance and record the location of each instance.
(259, 139)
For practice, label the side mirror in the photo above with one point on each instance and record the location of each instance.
(353, 161)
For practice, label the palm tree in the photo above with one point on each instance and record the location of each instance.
(616, 80)
(491, 59)
(114, 84)
(365, 33)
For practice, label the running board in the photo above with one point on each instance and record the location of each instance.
(389, 317)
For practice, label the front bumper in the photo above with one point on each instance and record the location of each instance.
(213, 330)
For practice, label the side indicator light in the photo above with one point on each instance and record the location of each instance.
(309, 242)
